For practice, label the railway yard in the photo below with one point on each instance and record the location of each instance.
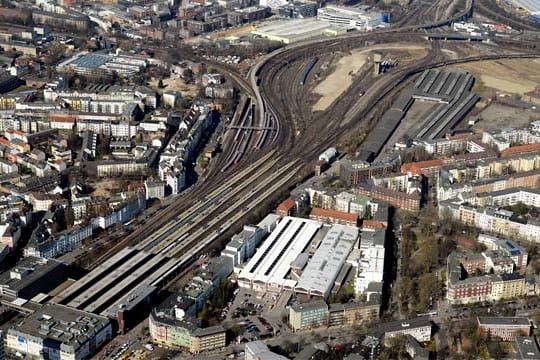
(287, 114)
(273, 136)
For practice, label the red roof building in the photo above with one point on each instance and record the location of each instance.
(286, 208)
(521, 149)
(334, 217)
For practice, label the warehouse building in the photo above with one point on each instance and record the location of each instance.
(281, 262)
(267, 270)
(291, 31)
(320, 273)
(450, 93)
(59, 332)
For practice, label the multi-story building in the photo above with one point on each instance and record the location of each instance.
(173, 324)
(497, 262)
(242, 245)
(308, 315)
(352, 314)
(154, 189)
(334, 217)
(472, 262)
(504, 328)
(206, 339)
(371, 263)
(395, 198)
(502, 139)
(419, 328)
(509, 247)
(59, 332)
(508, 286)
(472, 289)
(32, 276)
(257, 350)
(286, 208)
(356, 172)
(350, 17)
(491, 220)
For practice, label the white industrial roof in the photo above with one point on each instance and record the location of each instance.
(319, 275)
(293, 28)
(271, 262)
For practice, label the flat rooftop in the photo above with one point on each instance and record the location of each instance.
(320, 273)
(63, 324)
(295, 30)
(90, 60)
(503, 321)
(26, 271)
(404, 324)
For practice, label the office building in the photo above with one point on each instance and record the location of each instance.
(504, 328)
(59, 332)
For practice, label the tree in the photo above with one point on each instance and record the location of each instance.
(55, 52)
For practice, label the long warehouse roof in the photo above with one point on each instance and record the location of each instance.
(319, 275)
(271, 262)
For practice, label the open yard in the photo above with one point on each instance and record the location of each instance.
(176, 84)
(497, 116)
(107, 187)
(350, 65)
(505, 76)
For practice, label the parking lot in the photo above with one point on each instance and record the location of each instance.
(257, 315)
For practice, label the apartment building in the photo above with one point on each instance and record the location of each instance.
(308, 315)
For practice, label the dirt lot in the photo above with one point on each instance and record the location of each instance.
(349, 65)
(505, 76)
(497, 116)
(174, 84)
(106, 188)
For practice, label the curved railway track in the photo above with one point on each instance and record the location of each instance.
(282, 108)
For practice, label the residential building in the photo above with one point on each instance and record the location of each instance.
(353, 313)
(59, 332)
(509, 247)
(334, 217)
(508, 286)
(173, 323)
(286, 208)
(398, 199)
(504, 328)
(206, 339)
(308, 315)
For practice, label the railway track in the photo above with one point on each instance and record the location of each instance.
(164, 235)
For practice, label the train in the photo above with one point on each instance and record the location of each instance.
(307, 70)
